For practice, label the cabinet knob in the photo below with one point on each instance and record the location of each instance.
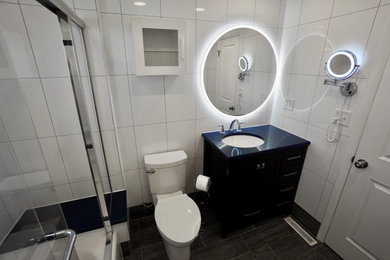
(260, 166)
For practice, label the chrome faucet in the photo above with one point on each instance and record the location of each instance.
(235, 121)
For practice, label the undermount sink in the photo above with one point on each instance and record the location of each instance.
(242, 141)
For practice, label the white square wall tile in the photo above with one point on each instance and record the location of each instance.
(110, 6)
(309, 191)
(146, 194)
(134, 192)
(117, 182)
(85, 4)
(320, 152)
(215, 10)
(349, 6)
(267, 13)
(45, 35)
(121, 100)
(29, 155)
(202, 126)
(128, 148)
(150, 139)
(313, 10)
(148, 101)
(90, 103)
(64, 192)
(103, 103)
(122, 231)
(62, 105)
(241, 12)
(181, 136)
(54, 162)
(44, 197)
(129, 43)
(111, 151)
(327, 192)
(184, 9)
(17, 60)
(8, 163)
(37, 180)
(83, 189)
(180, 97)
(292, 13)
(114, 44)
(39, 111)
(97, 143)
(75, 157)
(152, 8)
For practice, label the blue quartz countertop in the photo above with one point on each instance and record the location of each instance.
(273, 137)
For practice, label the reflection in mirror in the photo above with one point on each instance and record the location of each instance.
(228, 89)
(341, 65)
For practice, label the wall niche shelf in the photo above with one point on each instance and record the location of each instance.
(159, 46)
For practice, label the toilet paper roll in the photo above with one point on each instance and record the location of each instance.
(203, 183)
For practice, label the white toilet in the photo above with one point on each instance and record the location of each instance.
(177, 215)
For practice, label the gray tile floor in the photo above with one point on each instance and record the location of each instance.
(269, 239)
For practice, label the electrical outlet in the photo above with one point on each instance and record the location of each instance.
(290, 102)
(345, 116)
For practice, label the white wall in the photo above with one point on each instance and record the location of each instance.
(312, 31)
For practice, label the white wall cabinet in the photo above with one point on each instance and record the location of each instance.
(159, 46)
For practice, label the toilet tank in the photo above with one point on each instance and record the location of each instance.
(169, 171)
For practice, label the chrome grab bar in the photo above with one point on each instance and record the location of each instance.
(58, 235)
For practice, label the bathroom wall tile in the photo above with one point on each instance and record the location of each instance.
(39, 111)
(14, 111)
(325, 102)
(129, 43)
(375, 43)
(8, 163)
(313, 185)
(133, 184)
(44, 197)
(93, 42)
(348, 6)
(294, 126)
(121, 100)
(184, 9)
(62, 106)
(181, 137)
(320, 153)
(6, 225)
(37, 180)
(152, 8)
(64, 192)
(109, 6)
(75, 157)
(287, 49)
(204, 108)
(53, 159)
(190, 177)
(150, 139)
(214, 10)
(122, 231)
(241, 12)
(3, 133)
(45, 35)
(112, 35)
(103, 103)
(127, 147)
(292, 13)
(313, 10)
(327, 192)
(202, 126)
(191, 55)
(302, 89)
(85, 4)
(10, 1)
(267, 13)
(101, 161)
(18, 204)
(83, 189)
(345, 150)
(145, 188)
(277, 120)
(90, 103)
(29, 155)
(17, 60)
(117, 182)
(148, 102)
(180, 97)
(309, 47)
(343, 34)
(384, 2)
(111, 151)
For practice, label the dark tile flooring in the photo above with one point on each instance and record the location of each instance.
(269, 239)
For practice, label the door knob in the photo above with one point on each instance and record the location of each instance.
(361, 163)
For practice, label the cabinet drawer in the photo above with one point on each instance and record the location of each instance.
(290, 174)
(293, 157)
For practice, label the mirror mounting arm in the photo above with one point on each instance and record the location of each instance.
(347, 89)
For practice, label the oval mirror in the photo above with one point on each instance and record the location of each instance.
(341, 65)
(238, 88)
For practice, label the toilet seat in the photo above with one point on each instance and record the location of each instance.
(178, 218)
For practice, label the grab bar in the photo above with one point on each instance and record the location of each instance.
(58, 235)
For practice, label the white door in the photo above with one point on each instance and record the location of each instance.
(361, 226)
(227, 74)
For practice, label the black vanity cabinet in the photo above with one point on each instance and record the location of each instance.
(249, 184)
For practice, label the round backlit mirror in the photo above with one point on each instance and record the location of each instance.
(341, 65)
(229, 92)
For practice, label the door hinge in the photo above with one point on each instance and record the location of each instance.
(219, 53)
(353, 159)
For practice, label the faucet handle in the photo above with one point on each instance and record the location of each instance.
(239, 126)
(222, 131)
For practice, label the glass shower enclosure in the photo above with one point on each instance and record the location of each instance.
(50, 140)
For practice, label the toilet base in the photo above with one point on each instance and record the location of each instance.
(177, 253)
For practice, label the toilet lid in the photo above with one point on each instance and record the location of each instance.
(178, 218)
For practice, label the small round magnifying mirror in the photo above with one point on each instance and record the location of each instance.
(243, 64)
(341, 65)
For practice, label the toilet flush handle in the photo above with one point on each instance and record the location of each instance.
(149, 171)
